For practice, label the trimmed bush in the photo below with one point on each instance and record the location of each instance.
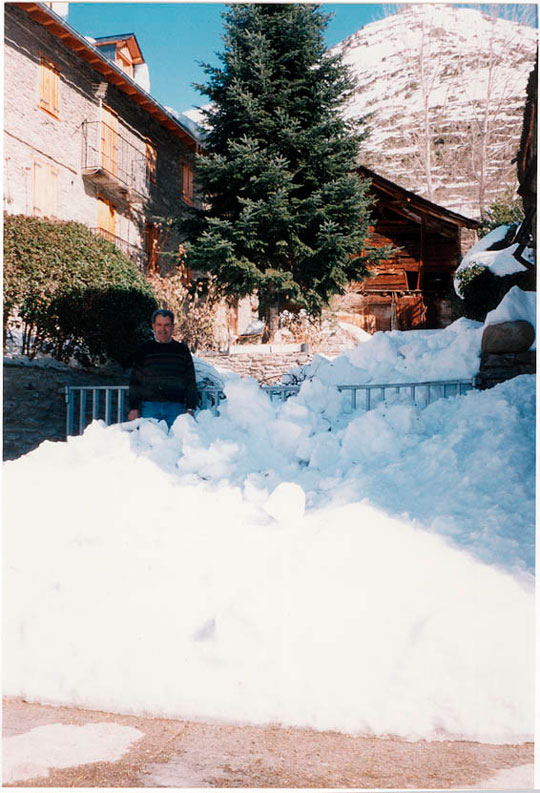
(76, 293)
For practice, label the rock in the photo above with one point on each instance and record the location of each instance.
(507, 337)
(496, 368)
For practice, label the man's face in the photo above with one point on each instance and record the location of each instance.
(163, 329)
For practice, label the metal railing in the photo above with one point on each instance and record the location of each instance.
(85, 404)
(137, 255)
(118, 158)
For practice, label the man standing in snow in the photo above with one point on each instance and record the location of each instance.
(162, 384)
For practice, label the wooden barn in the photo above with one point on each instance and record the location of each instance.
(412, 288)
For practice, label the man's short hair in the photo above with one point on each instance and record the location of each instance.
(163, 312)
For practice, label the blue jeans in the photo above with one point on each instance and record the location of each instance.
(162, 411)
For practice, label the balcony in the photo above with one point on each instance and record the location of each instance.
(137, 255)
(112, 162)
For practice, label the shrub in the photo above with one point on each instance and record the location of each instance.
(482, 291)
(505, 211)
(76, 294)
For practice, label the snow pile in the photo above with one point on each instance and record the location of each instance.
(299, 562)
(501, 262)
(63, 746)
(403, 356)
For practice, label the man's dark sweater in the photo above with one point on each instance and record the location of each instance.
(163, 372)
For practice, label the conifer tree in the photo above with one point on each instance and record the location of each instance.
(284, 213)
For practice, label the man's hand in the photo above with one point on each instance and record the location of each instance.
(133, 414)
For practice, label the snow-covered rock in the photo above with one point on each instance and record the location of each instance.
(515, 305)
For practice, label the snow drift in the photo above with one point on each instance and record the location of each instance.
(296, 563)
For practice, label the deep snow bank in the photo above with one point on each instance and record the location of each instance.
(258, 566)
(403, 356)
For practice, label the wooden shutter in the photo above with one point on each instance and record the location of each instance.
(187, 183)
(151, 244)
(45, 190)
(39, 197)
(109, 141)
(151, 161)
(106, 218)
(49, 87)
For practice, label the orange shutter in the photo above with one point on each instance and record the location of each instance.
(45, 190)
(55, 93)
(109, 141)
(187, 183)
(38, 189)
(106, 218)
(51, 188)
(152, 246)
(151, 161)
(49, 87)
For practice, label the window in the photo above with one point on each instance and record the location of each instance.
(49, 87)
(151, 161)
(151, 244)
(412, 279)
(109, 141)
(438, 282)
(45, 189)
(187, 183)
(106, 219)
(123, 60)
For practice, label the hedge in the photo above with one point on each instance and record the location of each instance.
(76, 293)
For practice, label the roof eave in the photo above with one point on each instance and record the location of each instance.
(423, 204)
(74, 41)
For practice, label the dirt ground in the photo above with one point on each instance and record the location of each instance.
(182, 754)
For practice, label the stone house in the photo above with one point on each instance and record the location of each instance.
(85, 141)
(412, 287)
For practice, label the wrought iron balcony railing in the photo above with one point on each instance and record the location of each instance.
(113, 161)
(137, 255)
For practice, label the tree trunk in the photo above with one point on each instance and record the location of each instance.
(270, 316)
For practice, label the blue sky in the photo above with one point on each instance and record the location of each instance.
(175, 36)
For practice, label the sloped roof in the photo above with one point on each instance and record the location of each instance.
(413, 204)
(73, 40)
(128, 39)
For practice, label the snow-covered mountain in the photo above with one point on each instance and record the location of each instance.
(459, 74)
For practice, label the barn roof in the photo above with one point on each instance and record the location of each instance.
(413, 205)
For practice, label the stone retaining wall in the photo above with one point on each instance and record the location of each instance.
(34, 407)
(266, 368)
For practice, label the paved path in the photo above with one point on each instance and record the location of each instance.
(182, 754)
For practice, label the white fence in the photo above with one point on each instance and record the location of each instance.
(109, 403)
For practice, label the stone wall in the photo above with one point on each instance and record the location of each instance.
(266, 368)
(34, 403)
